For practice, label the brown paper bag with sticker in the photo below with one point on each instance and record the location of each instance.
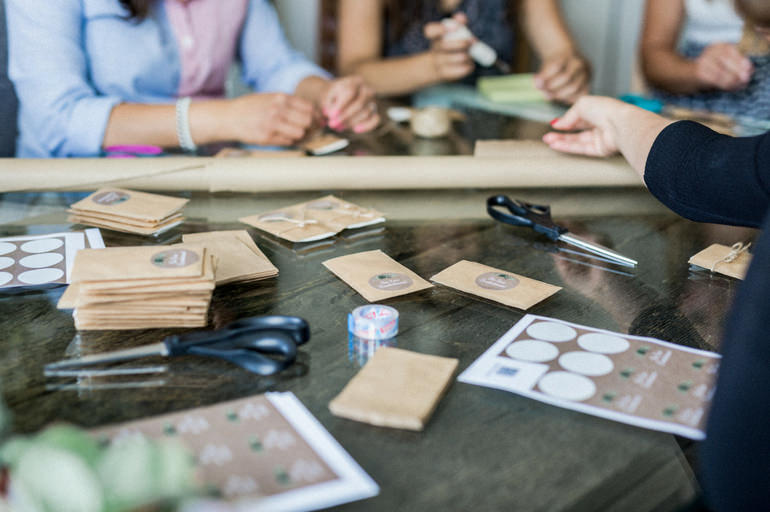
(375, 275)
(238, 257)
(396, 388)
(494, 284)
(122, 203)
(724, 260)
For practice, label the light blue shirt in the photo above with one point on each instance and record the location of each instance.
(72, 61)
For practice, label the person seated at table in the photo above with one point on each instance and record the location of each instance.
(96, 73)
(698, 54)
(399, 46)
(707, 177)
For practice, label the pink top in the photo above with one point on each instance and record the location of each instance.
(207, 33)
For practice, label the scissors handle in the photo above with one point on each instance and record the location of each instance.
(261, 345)
(533, 216)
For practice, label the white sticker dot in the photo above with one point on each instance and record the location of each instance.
(551, 331)
(44, 245)
(533, 351)
(46, 259)
(6, 262)
(41, 276)
(567, 386)
(603, 343)
(586, 363)
(6, 247)
(5, 278)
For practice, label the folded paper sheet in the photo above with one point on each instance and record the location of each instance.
(640, 381)
(128, 211)
(239, 260)
(314, 220)
(264, 453)
(376, 276)
(518, 88)
(141, 287)
(35, 260)
(396, 388)
(731, 261)
(496, 285)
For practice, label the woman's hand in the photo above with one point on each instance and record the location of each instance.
(591, 116)
(269, 119)
(564, 78)
(722, 66)
(450, 56)
(349, 104)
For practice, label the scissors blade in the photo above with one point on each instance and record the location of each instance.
(154, 349)
(597, 249)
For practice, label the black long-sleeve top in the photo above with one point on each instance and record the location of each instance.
(709, 177)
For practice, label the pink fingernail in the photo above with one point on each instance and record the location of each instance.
(554, 121)
(336, 125)
(359, 128)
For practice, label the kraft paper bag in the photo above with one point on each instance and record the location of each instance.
(396, 388)
(376, 276)
(238, 257)
(128, 211)
(314, 220)
(730, 261)
(494, 284)
(146, 262)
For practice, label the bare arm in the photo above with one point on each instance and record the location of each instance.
(564, 74)
(720, 66)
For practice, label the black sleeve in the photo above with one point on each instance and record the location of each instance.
(708, 177)
(735, 456)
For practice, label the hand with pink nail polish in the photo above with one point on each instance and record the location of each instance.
(349, 103)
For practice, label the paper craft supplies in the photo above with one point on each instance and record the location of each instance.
(239, 260)
(396, 388)
(731, 261)
(324, 144)
(128, 211)
(43, 259)
(496, 285)
(314, 220)
(640, 381)
(262, 453)
(141, 287)
(518, 88)
(375, 275)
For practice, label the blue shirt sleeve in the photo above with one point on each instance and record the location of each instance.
(49, 67)
(270, 64)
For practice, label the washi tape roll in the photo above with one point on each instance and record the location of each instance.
(373, 322)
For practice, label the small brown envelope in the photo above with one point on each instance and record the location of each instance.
(730, 261)
(396, 388)
(375, 275)
(238, 257)
(496, 285)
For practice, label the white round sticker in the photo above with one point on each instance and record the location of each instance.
(586, 363)
(567, 386)
(533, 351)
(603, 343)
(6, 247)
(40, 276)
(44, 245)
(46, 259)
(551, 331)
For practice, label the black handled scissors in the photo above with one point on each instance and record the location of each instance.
(262, 345)
(538, 217)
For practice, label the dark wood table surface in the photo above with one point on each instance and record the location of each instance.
(483, 449)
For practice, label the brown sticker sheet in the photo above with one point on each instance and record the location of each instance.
(494, 284)
(314, 220)
(396, 388)
(641, 381)
(376, 276)
(730, 261)
(239, 260)
(128, 211)
(267, 452)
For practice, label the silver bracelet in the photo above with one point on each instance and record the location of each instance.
(183, 124)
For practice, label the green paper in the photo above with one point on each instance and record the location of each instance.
(519, 88)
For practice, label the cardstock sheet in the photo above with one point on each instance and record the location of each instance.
(713, 258)
(262, 453)
(494, 284)
(238, 257)
(517, 88)
(375, 275)
(396, 388)
(640, 381)
(43, 259)
(116, 202)
(314, 220)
